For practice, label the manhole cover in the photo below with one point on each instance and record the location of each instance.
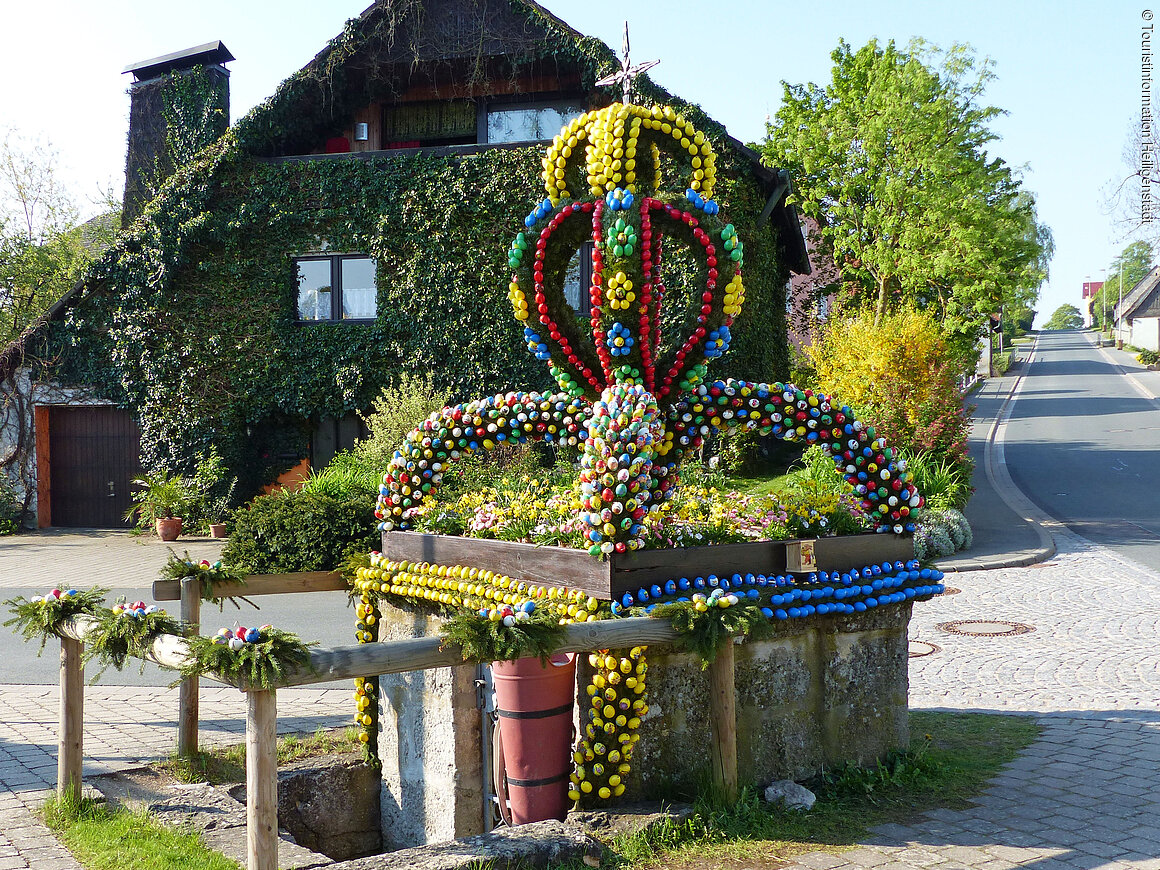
(919, 648)
(985, 627)
(950, 590)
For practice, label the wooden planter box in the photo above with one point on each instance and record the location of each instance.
(627, 572)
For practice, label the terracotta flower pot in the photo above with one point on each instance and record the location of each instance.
(217, 530)
(168, 528)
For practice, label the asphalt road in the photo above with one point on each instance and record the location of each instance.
(1084, 445)
(321, 616)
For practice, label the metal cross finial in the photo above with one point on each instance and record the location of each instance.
(627, 72)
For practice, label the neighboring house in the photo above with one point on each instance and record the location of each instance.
(275, 274)
(811, 294)
(1138, 316)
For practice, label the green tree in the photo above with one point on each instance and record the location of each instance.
(42, 250)
(890, 160)
(1133, 264)
(1065, 317)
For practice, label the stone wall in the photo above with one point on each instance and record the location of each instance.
(430, 746)
(814, 695)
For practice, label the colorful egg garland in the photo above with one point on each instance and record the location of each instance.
(635, 405)
(236, 638)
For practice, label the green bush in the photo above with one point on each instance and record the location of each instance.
(300, 531)
(1148, 357)
(346, 477)
(943, 483)
(941, 533)
(401, 406)
(900, 375)
(11, 510)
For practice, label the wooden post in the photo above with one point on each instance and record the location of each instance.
(187, 698)
(72, 714)
(723, 723)
(261, 780)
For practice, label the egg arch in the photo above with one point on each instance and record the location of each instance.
(632, 179)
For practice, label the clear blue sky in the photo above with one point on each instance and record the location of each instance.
(1068, 76)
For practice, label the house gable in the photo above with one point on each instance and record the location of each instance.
(396, 54)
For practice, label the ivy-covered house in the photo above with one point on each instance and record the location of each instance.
(272, 276)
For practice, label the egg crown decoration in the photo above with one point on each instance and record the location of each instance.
(634, 404)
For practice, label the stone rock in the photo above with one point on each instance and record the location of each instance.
(210, 810)
(331, 806)
(606, 825)
(789, 793)
(539, 844)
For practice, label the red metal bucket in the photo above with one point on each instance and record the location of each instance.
(535, 704)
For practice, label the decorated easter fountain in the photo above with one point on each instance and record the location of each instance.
(636, 398)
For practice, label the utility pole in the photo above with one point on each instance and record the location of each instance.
(1104, 298)
(1120, 310)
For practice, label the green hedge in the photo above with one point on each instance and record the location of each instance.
(198, 315)
(300, 531)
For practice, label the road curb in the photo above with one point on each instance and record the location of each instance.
(1136, 382)
(995, 467)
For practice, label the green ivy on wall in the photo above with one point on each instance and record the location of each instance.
(199, 313)
(190, 320)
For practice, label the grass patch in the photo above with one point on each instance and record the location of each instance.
(952, 757)
(104, 838)
(228, 763)
(759, 484)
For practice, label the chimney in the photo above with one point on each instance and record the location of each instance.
(178, 104)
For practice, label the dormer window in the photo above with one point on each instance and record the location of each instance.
(528, 123)
(336, 287)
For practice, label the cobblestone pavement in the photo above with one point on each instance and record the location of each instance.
(91, 557)
(1086, 794)
(125, 726)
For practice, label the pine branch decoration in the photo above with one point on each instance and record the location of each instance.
(209, 575)
(41, 617)
(126, 631)
(489, 640)
(703, 629)
(261, 663)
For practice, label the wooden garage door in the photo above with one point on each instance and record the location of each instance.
(94, 453)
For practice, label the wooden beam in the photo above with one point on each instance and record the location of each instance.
(261, 781)
(72, 714)
(414, 654)
(723, 723)
(261, 584)
(399, 656)
(187, 698)
(41, 416)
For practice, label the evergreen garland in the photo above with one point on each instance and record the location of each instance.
(483, 639)
(41, 617)
(261, 663)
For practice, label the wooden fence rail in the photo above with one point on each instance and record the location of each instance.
(364, 660)
(188, 592)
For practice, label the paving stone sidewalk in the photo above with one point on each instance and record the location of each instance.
(1085, 795)
(125, 726)
(91, 557)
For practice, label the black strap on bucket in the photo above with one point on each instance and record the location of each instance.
(533, 783)
(535, 714)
